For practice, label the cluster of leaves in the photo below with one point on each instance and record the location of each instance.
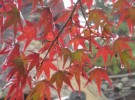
(72, 43)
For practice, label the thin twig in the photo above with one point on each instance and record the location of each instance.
(70, 17)
(86, 23)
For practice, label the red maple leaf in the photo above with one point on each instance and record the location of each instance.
(18, 78)
(128, 16)
(34, 60)
(120, 5)
(77, 71)
(104, 52)
(121, 44)
(98, 17)
(55, 49)
(45, 20)
(64, 53)
(64, 16)
(12, 18)
(14, 93)
(80, 57)
(76, 41)
(46, 66)
(41, 91)
(28, 34)
(98, 75)
(59, 77)
(12, 55)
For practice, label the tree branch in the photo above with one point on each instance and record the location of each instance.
(70, 17)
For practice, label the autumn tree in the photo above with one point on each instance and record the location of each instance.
(79, 43)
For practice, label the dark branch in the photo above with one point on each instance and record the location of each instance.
(70, 18)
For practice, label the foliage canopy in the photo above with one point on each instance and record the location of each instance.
(64, 38)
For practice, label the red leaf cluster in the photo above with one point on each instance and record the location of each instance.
(77, 36)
